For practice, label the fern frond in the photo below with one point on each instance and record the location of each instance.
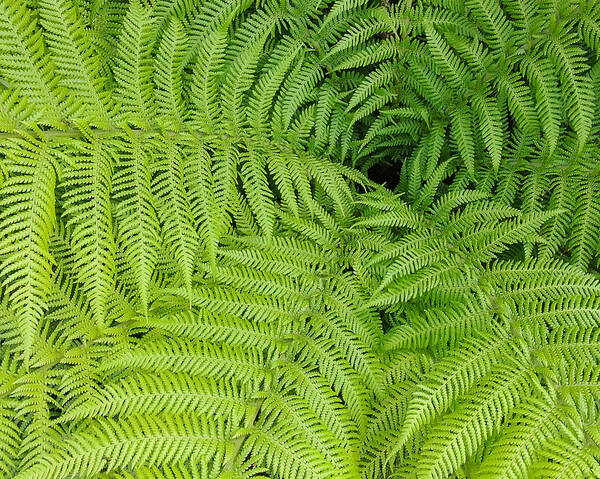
(138, 223)
(450, 377)
(73, 57)
(479, 415)
(168, 76)
(173, 208)
(133, 67)
(87, 209)
(576, 85)
(207, 71)
(111, 444)
(25, 63)
(27, 219)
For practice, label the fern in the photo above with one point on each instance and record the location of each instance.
(195, 282)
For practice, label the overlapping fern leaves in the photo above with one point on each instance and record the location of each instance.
(136, 164)
(491, 374)
(499, 93)
(194, 285)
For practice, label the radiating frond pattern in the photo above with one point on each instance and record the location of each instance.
(199, 279)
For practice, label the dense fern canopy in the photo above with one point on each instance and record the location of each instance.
(202, 276)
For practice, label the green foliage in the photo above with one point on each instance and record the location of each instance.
(195, 282)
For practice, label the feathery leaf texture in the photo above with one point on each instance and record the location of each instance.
(201, 278)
